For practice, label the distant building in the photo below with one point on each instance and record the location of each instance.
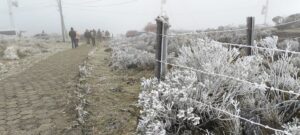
(8, 32)
(132, 33)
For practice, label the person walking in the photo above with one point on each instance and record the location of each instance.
(93, 35)
(107, 34)
(103, 36)
(77, 39)
(87, 35)
(99, 35)
(72, 35)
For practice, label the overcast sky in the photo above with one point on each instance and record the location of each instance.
(119, 16)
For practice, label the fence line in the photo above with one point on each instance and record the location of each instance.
(245, 119)
(240, 80)
(233, 78)
(204, 32)
(223, 31)
(282, 24)
(257, 47)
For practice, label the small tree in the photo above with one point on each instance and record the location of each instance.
(278, 19)
(150, 27)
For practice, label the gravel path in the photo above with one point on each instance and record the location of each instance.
(34, 102)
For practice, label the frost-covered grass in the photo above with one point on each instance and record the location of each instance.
(135, 52)
(175, 106)
(139, 52)
(17, 54)
(126, 58)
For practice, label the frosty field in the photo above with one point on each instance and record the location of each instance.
(210, 88)
(218, 87)
(16, 55)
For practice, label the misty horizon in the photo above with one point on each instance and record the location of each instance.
(119, 16)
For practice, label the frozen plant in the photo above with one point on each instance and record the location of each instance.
(245, 86)
(129, 57)
(10, 53)
(292, 127)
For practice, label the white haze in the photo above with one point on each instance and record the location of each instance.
(34, 16)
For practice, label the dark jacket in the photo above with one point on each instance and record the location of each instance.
(72, 34)
(87, 34)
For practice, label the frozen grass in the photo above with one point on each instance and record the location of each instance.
(18, 54)
(172, 106)
(135, 52)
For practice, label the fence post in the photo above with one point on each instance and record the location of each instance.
(161, 47)
(250, 34)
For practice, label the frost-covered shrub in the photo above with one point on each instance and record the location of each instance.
(292, 127)
(189, 101)
(3, 68)
(27, 51)
(290, 45)
(134, 52)
(11, 53)
(125, 58)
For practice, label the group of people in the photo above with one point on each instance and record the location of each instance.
(92, 35)
(89, 35)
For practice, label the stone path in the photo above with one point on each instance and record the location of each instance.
(34, 102)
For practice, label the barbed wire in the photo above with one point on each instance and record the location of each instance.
(204, 32)
(233, 78)
(223, 31)
(242, 118)
(240, 80)
(263, 48)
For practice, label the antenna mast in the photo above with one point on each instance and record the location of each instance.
(163, 4)
(10, 12)
(266, 11)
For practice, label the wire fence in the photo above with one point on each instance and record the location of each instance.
(261, 87)
(245, 119)
(233, 30)
(233, 78)
(256, 85)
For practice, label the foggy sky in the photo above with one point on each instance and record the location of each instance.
(36, 15)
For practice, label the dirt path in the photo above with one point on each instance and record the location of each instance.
(112, 103)
(34, 101)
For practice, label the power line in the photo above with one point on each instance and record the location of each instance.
(81, 2)
(108, 5)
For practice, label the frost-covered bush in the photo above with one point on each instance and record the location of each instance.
(133, 52)
(292, 127)
(291, 45)
(186, 102)
(126, 58)
(12, 48)
(3, 68)
(28, 51)
(11, 53)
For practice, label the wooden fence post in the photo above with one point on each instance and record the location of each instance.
(250, 34)
(161, 47)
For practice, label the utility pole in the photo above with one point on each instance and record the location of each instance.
(63, 27)
(266, 11)
(10, 12)
(162, 8)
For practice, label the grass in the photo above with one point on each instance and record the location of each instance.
(114, 96)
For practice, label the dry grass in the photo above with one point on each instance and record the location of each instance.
(114, 96)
